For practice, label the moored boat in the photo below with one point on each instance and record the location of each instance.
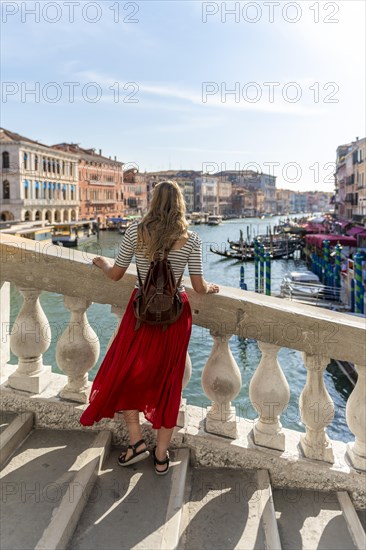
(214, 219)
(40, 233)
(74, 233)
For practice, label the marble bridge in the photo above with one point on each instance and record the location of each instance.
(233, 484)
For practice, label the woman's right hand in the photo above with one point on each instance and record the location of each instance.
(212, 288)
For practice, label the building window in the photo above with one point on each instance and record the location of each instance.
(26, 187)
(58, 166)
(63, 167)
(6, 190)
(37, 190)
(36, 163)
(71, 169)
(25, 159)
(6, 163)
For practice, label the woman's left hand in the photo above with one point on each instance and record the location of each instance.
(100, 262)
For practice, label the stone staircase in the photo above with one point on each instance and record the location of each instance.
(64, 489)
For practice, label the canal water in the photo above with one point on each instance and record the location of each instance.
(246, 352)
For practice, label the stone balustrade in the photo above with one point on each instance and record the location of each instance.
(274, 323)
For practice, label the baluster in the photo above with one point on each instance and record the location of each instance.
(317, 410)
(182, 415)
(221, 382)
(5, 326)
(30, 337)
(77, 350)
(356, 420)
(269, 393)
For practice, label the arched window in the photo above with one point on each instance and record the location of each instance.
(6, 189)
(27, 216)
(63, 167)
(26, 189)
(44, 165)
(6, 162)
(37, 190)
(25, 159)
(72, 193)
(53, 165)
(71, 168)
(58, 166)
(36, 163)
(49, 164)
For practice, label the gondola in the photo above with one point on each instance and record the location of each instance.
(248, 255)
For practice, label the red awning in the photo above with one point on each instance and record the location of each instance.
(317, 239)
(343, 223)
(356, 231)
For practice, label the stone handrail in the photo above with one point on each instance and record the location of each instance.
(273, 322)
(265, 318)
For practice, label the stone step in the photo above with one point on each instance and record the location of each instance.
(354, 523)
(5, 418)
(132, 507)
(311, 519)
(37, 479)
(223, 510)
(14, 429)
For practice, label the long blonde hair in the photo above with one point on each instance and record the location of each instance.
(165, 221)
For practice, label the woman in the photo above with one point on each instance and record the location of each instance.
(143, 369)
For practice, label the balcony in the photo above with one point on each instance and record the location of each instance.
(100, 201)
(101, 182)
(50, 202)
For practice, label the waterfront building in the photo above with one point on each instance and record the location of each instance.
(298, 202)
(213, 194)
(254, 181)
(184, 178)
(37, 181)
(134, 192)
(283, 201)
(246, 202)
(100, 183)
(350, 181)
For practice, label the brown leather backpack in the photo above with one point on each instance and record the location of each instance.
(158, 300)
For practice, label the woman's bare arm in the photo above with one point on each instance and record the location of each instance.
(203, 287)
(113, 272)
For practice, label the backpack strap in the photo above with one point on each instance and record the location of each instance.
(139, 276)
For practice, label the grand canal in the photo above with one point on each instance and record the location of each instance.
(246, 352)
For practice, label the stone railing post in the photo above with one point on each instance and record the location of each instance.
(356, 420)
(269, 393)
(221, 382)
(5, 324)
(30, 337)
(182, 415)
(77, 350)
(316, 409)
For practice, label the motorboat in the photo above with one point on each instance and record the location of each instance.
(74, 233)
(301, 284)
(214, 219)
(39, 233)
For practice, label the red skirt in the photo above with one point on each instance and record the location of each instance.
(142, 370)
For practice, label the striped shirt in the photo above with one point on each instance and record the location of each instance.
(190, 253)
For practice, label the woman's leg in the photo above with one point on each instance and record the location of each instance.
(134, 430)
(162, 444)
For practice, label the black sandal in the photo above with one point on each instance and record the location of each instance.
(161, 463)
(136, 457)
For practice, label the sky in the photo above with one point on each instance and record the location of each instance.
(271, 86)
